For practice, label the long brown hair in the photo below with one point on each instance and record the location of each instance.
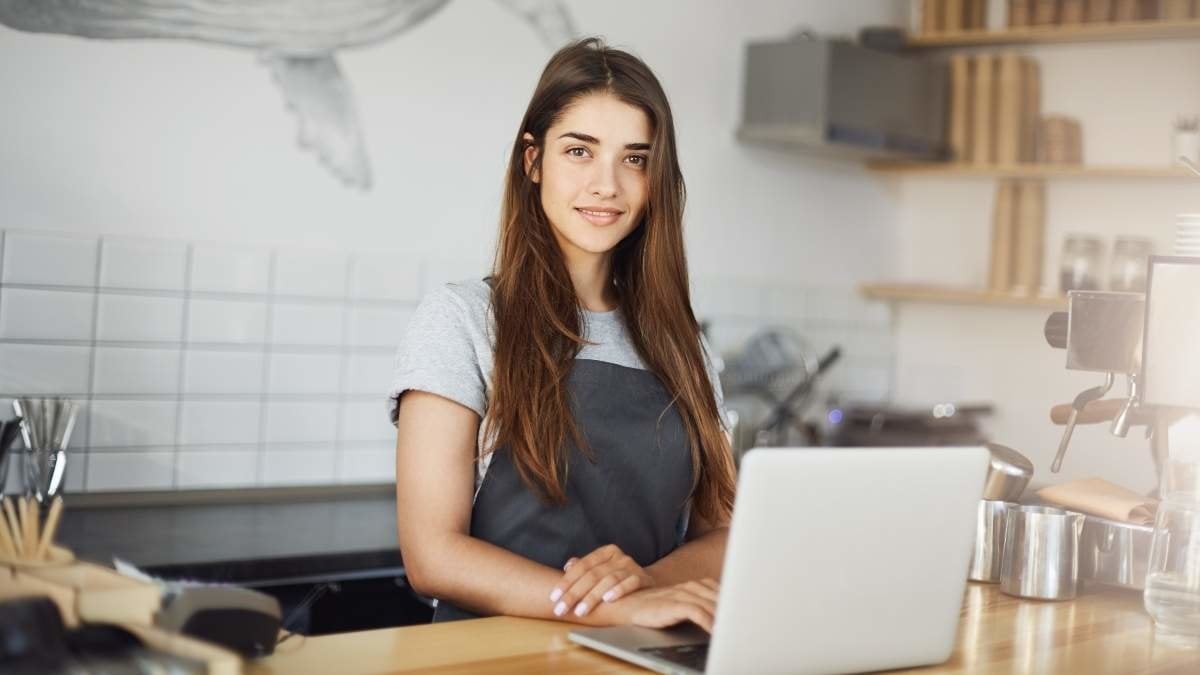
(538, 316)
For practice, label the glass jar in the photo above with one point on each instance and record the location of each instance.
(1172, 595)
(1079, 267)
(1127, 269)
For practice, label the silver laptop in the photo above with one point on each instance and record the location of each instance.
(838, 560)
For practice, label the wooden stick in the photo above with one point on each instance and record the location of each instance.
(48, 530)
(27, 526)
(6, 541)
(13, 526)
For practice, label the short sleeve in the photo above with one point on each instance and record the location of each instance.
(715, 364)
(438, 353)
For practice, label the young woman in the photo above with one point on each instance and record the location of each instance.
(560, 446)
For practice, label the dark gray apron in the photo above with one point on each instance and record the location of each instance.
(633, 494)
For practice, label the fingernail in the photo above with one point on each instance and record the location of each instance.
(555, 595)
(560, 609)
(568, 565)
(609, 596)
(581, 609)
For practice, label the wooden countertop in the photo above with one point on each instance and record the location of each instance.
(1101, 631)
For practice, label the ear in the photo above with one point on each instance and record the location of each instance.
(529, 156)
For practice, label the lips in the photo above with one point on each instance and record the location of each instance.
(600, 216)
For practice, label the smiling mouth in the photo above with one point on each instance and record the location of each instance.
(600, 217)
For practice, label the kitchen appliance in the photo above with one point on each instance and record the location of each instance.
(1040, 557)
(1114, 553)
(1008, 473)
(834, 97)
(868, 425)
(987, 554)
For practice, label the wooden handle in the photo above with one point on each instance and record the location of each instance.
(1093, 413)
(14, 527)
(49, 529)
(7, 546)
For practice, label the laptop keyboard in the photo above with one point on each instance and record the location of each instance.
(689, 656)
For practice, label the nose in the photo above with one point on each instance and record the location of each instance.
(603, 180)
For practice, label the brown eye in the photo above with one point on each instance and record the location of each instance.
(573, 149)
(641, 160)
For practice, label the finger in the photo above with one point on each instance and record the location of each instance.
(629, 585)
(683, 595)
(711, 583)
(592, 598)
(701, 590)
(570, 561)
(586, 582)
(580, 567)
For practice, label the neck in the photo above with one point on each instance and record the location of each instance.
(591, 274)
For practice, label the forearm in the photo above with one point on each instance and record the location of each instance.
(487, 579)
(699, 558)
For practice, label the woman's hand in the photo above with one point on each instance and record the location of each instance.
(605, 574)
(694, 601)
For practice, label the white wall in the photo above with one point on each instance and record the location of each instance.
(1127, 96)
(192, 142)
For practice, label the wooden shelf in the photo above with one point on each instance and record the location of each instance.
(930, 293)
(1087, 32)
(1028, 170)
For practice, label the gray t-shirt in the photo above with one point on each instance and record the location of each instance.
(448, 350)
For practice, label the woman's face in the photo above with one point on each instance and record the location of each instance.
(593, 175)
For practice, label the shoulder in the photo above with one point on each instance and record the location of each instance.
(466, 301)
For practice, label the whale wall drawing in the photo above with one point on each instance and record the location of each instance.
(297, 40)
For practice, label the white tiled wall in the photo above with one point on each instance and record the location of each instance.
(202, 365)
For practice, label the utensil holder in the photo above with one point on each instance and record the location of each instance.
(1041, 552)
(987, 554)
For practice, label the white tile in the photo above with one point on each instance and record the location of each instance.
(139, 318)
(310, 273)
(230, 268)
(366, 421)
(205, 422)
(714, 297)
(394, 275)
(132, 423)
(236, 467)
(75, 473)
(305, 373)
(784, 302)
(300, 467)
(143, 263)
(297, 324)
(43, 369)
(227, 321)
(301, 422)
(45, 315)
(832, 304)
(377, 327)
(222, 372)
(369, 466)
(58, 259)
(128, 370)
(369, 374)
(145, 470)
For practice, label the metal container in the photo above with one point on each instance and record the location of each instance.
(1041, 552)
(1114, 553)
(989, 541)
(1008, 473)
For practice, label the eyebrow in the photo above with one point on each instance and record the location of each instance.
(596, 141)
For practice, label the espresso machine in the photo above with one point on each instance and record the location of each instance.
(1151, 342)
